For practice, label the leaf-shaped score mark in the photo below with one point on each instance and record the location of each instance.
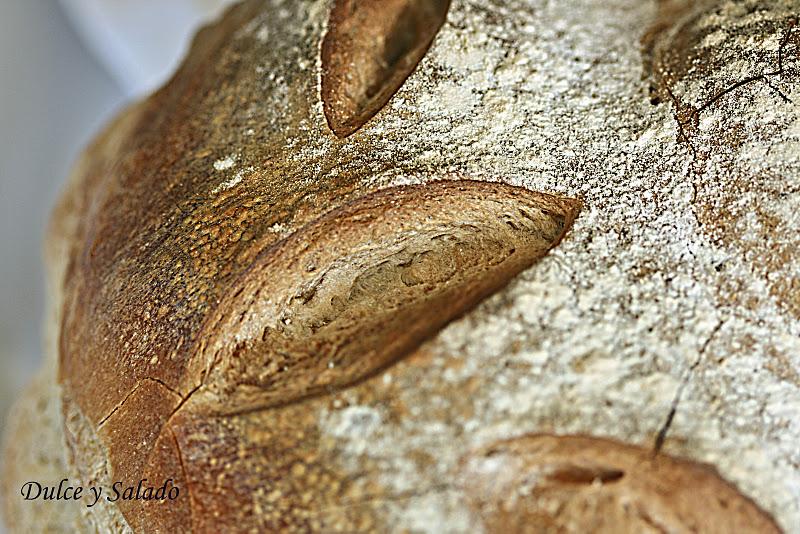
(364, 285)
(369, 50)
(549, 483)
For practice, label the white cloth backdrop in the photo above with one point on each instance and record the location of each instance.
(140, 41)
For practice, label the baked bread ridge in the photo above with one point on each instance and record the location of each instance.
(372, 454)
(34, 446)
(352, 292)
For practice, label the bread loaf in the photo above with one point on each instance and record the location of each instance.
(435, 266)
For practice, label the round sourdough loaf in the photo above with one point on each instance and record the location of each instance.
(434, 266)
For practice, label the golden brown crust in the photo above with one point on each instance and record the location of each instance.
(264, 472)
(160, 243)
(572, 484)
(130, 436)
(392, 268)
(35, 448)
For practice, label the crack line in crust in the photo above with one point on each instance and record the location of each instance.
(131, 392)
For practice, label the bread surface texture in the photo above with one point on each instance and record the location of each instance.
(532, 269)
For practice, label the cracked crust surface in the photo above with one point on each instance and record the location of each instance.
(679, 275)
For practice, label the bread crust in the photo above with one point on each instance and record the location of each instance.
(257, 308)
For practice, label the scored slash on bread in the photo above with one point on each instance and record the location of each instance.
(369, 50)
(330, 305)
(217, 314)
(586, 484)
(353, 291)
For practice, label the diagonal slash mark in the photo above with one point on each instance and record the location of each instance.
(684, 136)
(764, 77)
(662, 433)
